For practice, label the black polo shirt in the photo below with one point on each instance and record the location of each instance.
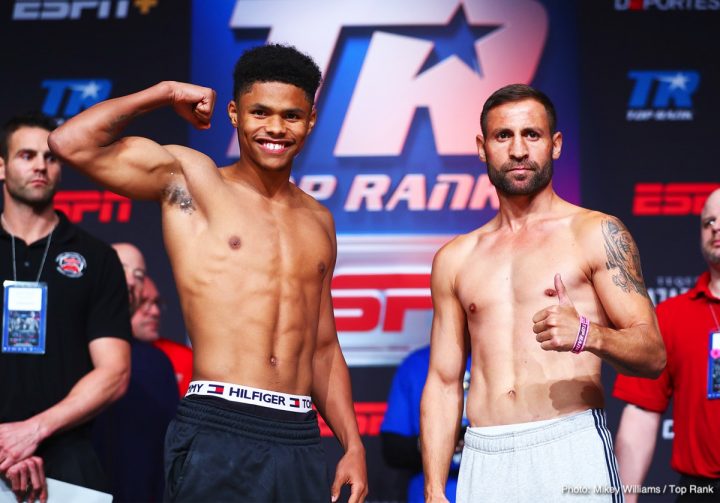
(87, 299)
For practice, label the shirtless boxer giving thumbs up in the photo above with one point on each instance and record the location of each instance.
(541, 294)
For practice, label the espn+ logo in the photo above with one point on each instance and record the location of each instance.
(59, 10)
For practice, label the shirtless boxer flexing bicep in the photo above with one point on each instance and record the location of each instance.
(253, 257)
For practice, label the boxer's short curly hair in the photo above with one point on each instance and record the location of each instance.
(276, 63)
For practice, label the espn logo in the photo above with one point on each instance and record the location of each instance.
(366, 301)
(671, 199)
(109, 206)
(369, 418)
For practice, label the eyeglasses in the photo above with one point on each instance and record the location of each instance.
(146, 304)
(137, 273)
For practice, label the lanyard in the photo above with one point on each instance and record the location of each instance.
(45, 253)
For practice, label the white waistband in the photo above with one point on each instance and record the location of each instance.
(253, 396)
(502, 429)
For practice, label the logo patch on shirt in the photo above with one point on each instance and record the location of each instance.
(71, 264)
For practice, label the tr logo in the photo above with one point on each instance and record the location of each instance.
(391, 76)
(663, 89)
(66, 98)
(662, 95)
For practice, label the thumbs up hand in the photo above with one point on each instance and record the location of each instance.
(556, 327)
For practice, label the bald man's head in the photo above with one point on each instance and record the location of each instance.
(133, 263)
(710, 229)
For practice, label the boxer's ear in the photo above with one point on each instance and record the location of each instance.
(232, 113)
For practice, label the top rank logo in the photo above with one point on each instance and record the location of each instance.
(394, 149)
(452, 90)
(665, 5)
(58, 10)
(662, 95)
(68, 97)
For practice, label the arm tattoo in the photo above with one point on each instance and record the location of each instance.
(118, 123)
(623, 255)
(179, 196)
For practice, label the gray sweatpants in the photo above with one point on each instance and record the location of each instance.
(567, 459)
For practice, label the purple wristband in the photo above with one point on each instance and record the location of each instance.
(581, 336)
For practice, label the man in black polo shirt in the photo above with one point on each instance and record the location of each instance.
(65, 352)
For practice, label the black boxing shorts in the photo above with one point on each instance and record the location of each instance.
(223, 450)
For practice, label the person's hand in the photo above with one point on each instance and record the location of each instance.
(556, 327)
(351, 470)
(17, 441)
(27, 480)
(193, 103)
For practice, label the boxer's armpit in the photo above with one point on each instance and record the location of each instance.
(177, 195)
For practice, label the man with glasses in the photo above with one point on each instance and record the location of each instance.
(129, 436)
(146, 327)
(690, 325)
(133, 264)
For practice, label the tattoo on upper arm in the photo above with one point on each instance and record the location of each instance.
(119, 122)
(179, 196)
(623, 255)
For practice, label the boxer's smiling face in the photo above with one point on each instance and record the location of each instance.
(273, 119)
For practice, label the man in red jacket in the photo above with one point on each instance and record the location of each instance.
(690, 326)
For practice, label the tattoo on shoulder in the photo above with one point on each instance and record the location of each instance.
(179, 196)
(623, 255)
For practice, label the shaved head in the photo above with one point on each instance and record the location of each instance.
(711, 202)
(710, 229)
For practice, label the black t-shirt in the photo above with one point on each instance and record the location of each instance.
(87, 299)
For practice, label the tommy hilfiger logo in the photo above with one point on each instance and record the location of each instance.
(245, 394)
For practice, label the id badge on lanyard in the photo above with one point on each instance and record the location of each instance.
(713, 391)
(24, 317)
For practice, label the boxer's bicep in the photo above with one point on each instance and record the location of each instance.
(618, 277)
(447, 338)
